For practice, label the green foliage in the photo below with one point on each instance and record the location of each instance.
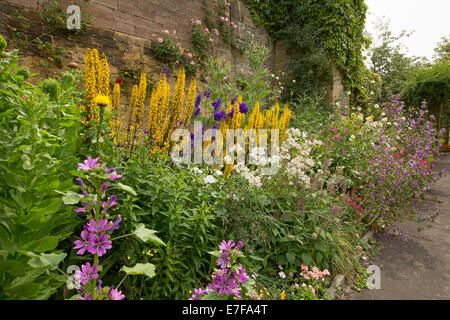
(38, 146)
(180, 206)
(388, 61)
(337, 27)
(53, 14)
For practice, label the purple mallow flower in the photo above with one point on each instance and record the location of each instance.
(225, 286)
(89, 164)
(115, 225)
(102, 225)
(87, 273)
(223, 260)
(82, 245)
(86, 297)
(115, 294)
(99, 244)
(224, 245)
(197, 293)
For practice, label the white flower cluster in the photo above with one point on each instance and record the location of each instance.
(296, 152)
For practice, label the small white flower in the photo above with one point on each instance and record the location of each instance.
(278, 78)
(218, 172)
(376, 106)
(210, 179)
(197, 170)
(293, 81)
(282, 275)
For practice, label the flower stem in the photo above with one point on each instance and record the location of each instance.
(122, 236)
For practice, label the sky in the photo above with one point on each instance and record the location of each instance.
(430, 19)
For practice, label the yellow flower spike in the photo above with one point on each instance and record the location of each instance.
(283, 295)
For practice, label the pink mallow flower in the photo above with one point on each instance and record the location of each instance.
(99, 244)
(87, 273)
(89, 164)
(160, 40)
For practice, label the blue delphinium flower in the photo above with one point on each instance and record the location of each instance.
(219, 115)
(243, 108)
(216, 105)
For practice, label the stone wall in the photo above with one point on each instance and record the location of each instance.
(123, 30)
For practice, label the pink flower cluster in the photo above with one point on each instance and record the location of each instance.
(315, 273)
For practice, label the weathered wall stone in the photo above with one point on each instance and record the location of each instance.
(123, 30)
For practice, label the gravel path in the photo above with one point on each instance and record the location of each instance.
(416, 264)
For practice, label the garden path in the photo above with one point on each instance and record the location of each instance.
(416, 265)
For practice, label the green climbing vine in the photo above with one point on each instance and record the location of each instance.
(332, 28)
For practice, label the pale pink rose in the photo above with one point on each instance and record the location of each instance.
(227, 14)
(193, 62)
(249, 73)
(216, 31)
(226, 19)
(222, 19)
(241, 70)
(206, 30)
(235, 26)
(160, 40)
(225, 78)
(189, 55)
(198, 22)
(207, 78)
(211, 39)
(166, 31)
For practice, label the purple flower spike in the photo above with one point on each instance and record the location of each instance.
(99, 244)
(87, 273)
(226, 245)
(89, 164)
(82, 245)
(104, 187)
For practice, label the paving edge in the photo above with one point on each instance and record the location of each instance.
(339, 280)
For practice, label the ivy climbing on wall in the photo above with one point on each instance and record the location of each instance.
(318, 30)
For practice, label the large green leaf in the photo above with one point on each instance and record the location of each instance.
(50, 260)
(147, 235)
(42, 245)
(147, 269)
(72, 198)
